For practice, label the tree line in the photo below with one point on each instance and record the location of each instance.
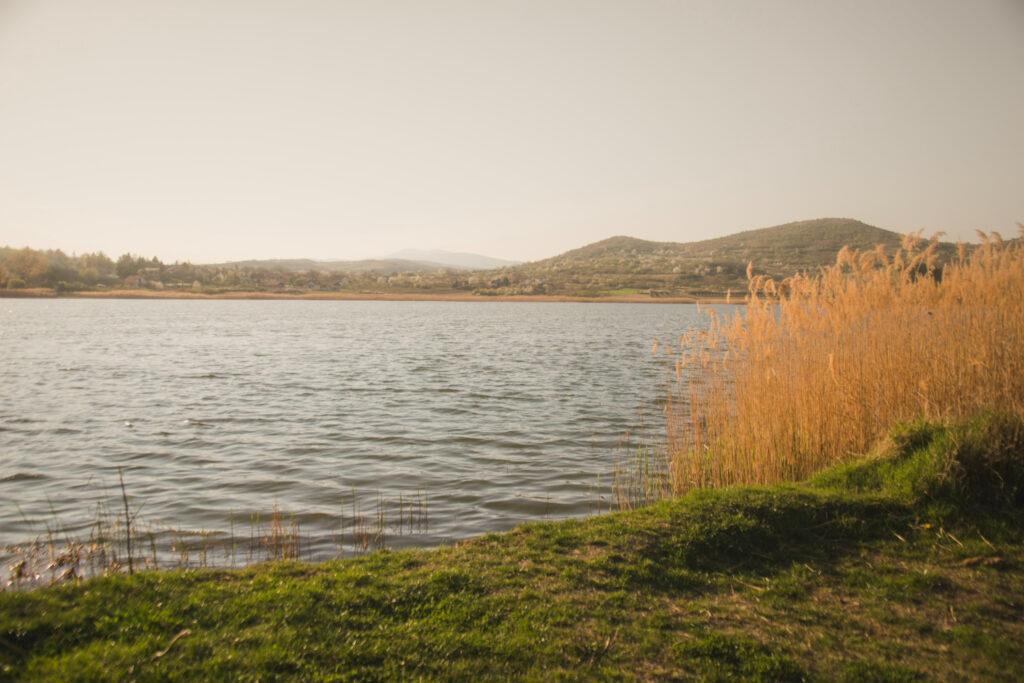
(57, 270)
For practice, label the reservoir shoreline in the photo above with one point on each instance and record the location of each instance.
(44, 293)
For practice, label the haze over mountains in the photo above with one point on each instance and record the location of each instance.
(452, 259)
(406, 260)
(383, 265)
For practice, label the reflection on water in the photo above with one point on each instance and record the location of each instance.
(216, 410)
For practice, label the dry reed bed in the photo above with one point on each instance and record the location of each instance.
(815, 369)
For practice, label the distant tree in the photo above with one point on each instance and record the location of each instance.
(98, 265)
(94, 268)
(60, 268)
(88, 275)
(28, 265)
(128, 265)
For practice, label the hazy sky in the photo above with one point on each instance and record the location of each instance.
(201, 130)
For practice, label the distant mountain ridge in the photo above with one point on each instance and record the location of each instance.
(388, 265)
(405, 261)
(617, 266)
(454, 259)
(620, 265)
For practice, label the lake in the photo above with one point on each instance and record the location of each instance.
(486, 414)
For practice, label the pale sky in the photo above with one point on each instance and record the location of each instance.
(213, 130)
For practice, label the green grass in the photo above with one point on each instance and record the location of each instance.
(906, 566)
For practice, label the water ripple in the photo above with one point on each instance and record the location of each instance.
(218, 410)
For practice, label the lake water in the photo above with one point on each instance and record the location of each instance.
(497, 413)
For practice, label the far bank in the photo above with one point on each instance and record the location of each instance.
(47, 293)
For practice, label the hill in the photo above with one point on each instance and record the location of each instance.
(705, 268)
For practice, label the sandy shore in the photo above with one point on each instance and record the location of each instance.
(348, 296)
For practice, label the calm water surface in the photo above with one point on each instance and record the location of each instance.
(500, 412)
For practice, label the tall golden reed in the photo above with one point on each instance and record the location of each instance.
(815, 369)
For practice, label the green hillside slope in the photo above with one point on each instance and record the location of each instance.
(708, 267)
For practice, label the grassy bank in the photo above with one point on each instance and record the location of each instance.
(905, 565)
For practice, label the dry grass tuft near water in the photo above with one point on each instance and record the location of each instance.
(816, 368)
(118, 541)
(907, 566)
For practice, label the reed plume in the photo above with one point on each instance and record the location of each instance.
(814, 369)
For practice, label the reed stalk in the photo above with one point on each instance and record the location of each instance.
(814, 369)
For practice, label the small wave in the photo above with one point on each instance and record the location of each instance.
(452, 410)
(23, 476)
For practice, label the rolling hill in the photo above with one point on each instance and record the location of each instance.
(614, 266)
(706, 268)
